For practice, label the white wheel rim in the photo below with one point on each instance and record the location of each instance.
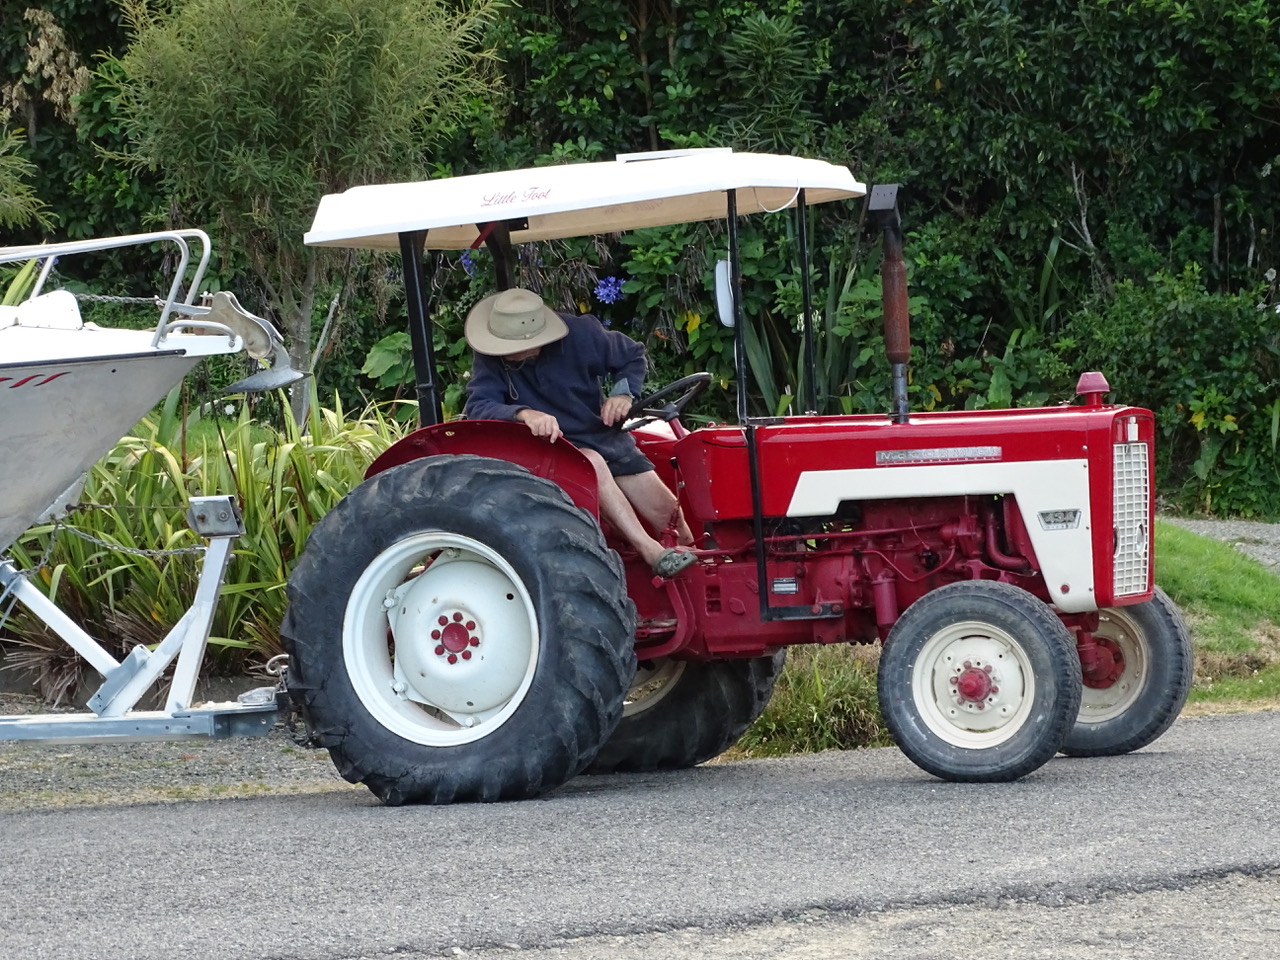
(973, 685)
(466, 639)
(652, 683)
(1099, 704)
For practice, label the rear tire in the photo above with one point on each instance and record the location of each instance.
(979, 682)
(680, 713)
(1152, 647)
(458, 630)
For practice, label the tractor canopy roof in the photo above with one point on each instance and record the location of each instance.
(581, 199)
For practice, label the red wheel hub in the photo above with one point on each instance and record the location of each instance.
(1102, 665)
(455, 637)
(974, 684)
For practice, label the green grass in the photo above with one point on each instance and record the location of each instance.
(1232, 604)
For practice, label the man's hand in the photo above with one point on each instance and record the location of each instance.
(540, 424)
(615, 409)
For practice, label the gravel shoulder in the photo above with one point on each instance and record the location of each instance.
(1251, 537)
(45, 776)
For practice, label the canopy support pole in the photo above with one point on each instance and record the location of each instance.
(806, 289)
(424, 357)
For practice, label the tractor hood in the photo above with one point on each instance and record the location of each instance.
(581, 199)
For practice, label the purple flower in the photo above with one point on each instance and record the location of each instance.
(609, 290)
(468, 264)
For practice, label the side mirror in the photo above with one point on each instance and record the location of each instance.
(724, 294)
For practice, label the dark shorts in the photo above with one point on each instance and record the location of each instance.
(630, 464)
(617, 449)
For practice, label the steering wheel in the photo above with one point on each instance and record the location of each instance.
(684, 390)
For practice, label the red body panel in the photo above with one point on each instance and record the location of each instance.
(847, 576)
(888, 552)
(561, 462)
(713, 461)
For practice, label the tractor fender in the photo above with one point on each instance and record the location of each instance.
(561, 462)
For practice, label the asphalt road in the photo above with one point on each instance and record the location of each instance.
(831, 855)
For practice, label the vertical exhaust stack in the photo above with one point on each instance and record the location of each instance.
(883, 204)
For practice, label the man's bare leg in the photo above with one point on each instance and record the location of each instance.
(619, 512)
(653, 501)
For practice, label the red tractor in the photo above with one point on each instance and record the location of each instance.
(462, 628)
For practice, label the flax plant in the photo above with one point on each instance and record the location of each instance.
(774, 347)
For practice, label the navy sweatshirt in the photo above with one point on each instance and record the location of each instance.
(565, 380)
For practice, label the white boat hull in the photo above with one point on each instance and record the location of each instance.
(60, 415)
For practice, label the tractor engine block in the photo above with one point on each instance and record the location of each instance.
(855, 572)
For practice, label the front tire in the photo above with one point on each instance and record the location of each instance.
(979, 681)
(680, 713)
(1136, 697)
(458, 630)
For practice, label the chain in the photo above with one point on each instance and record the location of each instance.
(296, 729)
(132, 551)
(58, 525)
(6, 612)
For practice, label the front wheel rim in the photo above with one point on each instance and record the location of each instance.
(1100, 704)
(973, 685)
(440, 639)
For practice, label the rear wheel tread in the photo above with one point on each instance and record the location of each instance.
(709, 709)
(573, 581)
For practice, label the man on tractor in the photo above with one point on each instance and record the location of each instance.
(546, 370)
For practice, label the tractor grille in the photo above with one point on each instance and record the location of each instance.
(1131, 515)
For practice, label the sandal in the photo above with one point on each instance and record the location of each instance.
(671, 561)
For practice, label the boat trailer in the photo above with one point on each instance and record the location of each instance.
(69, 390)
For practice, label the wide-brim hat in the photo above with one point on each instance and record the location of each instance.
(512, 321)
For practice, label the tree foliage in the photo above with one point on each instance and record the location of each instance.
(251, 112)
(1057, 155)
(47, 51)
(1063, 161)
(19, 204)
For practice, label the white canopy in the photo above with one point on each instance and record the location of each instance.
(581, 199)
